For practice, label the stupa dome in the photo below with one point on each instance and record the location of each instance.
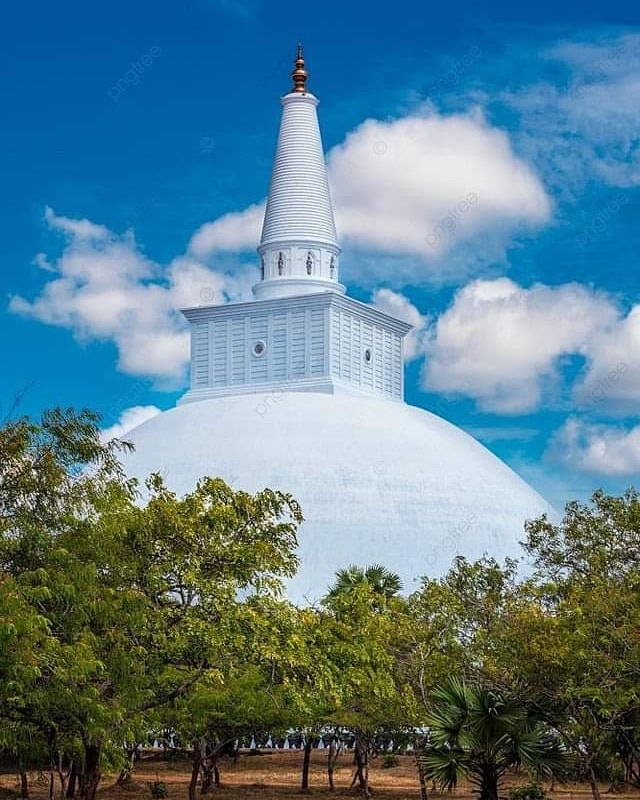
(378, 481)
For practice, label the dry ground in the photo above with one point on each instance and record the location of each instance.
(277, 775)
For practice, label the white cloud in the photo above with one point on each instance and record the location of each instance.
(598, 449)
(106, 289)
(399, 306)
(418, 186)
(80, 228)
(503, 344)
(236, 231)
(421, 185)
(613, 372)
(129, 419)
(498, 343)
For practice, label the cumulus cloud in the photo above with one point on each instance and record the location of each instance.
(106, 289)
(598, 449)
(236, 231)
(81, 229)
(129, 419)
(399, 306)
(502, 344)
(613, 372)
(421, 185)
(414, 187)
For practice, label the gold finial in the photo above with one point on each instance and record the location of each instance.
(299, 74)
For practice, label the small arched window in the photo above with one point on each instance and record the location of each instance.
(309, 263)
(280, 263)
(332, 267)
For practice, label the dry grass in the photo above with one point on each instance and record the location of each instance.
(277, 775)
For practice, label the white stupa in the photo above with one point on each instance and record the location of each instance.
(302, 390)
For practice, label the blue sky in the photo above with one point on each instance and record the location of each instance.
(137, 142)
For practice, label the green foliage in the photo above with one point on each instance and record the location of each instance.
(616, 779)
(568, 639)
(111, 612)
(384, 583)
(158, 789)
(482, 734)
(124, 612)
(529, 791)
(390, 760)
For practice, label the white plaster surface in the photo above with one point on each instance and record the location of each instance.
(378, 481)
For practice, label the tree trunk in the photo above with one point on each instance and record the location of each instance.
(90, 777)
(362, 764)
(209, 764)
(332, 758)
(65, 766)
(73, 781)
(127, 771)
(306, 762)
(24, 786)
(489, 784)
(207, 777)
(216, 775)
(357, 775)
(195, 771)
(591, 777)
(421, 777)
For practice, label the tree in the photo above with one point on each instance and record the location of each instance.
(476, 732)
(53, 473)
(384, 583)
(363, 617)
(131, 606)
(569, 640)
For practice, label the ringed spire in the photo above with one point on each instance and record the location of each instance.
(299, 250)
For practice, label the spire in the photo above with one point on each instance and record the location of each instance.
(299, 249)
(299, 74)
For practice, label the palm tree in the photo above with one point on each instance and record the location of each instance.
(384, 583)
(478, 733)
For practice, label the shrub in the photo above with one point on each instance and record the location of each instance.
(616, 779)
(158, 789)
(530, 791)
(390, 760)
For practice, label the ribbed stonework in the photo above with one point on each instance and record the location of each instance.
(298, 249)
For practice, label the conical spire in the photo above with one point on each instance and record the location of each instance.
(299, 248)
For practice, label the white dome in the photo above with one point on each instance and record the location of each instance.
(378, 481)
